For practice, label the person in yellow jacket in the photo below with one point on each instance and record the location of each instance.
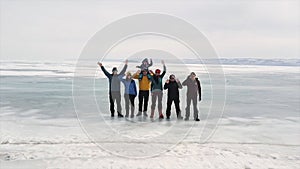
(144, 88)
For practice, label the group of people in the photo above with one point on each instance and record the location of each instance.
(151, 82)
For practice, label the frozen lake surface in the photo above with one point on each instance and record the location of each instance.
(259, 127)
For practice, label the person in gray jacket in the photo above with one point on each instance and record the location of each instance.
(193, 90)
(114, 87)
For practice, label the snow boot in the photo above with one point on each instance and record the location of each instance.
(152, 114)
(161, 116)
(120, 115)
(139, 113)
(179, 117)
(145, 114)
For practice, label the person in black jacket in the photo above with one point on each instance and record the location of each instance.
(114, 87)
(173, 85)
(193, 90)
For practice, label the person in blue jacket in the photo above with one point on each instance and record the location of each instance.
(114, 87)
(130, 94)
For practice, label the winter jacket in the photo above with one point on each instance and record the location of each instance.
(144, 81)
(193, 87)
(145, 67)
(173, 87)
(130, 86)
(114, 80)
(156, 81)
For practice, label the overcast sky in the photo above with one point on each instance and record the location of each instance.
(59, 29)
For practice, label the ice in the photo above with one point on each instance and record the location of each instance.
(60, 143)
(39, 128)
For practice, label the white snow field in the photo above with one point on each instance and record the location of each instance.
(259, 128)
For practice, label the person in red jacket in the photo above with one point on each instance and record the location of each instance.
(193, 91)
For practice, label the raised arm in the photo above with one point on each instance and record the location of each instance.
(184, 83)
(164, 69)
(136, 74)
(103, 69)
(124, 68)
(166, 86)
(179, 84)
(151, 63)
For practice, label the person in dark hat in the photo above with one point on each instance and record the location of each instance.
(193, 91)
(157, 90)
(114, 87)
(173, 85)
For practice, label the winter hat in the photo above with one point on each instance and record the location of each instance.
(114, 69)
(157, 71)
(145, 60)
(193, 73)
